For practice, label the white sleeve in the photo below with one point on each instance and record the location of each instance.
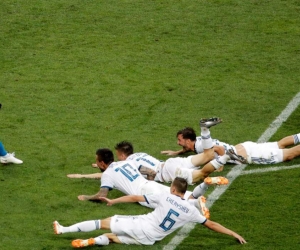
(199, 218)
(153, 198)
(107, 181)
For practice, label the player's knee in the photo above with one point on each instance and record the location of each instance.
(209, 155)
(289, 157)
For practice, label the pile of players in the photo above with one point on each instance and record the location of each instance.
(140, 177)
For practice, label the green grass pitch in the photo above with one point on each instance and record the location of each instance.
(79, 75)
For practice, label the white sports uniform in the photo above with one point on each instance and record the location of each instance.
(177, 167)
(199, 148)
(125, 177)
(171, 213)
(168, 170)
(143, 159)
(263, 153)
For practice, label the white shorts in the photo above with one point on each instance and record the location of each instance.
(178, 167)
(263, 153)
(128, 230)
(182, 162)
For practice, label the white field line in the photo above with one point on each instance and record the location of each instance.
(270, 169)
(236, 171)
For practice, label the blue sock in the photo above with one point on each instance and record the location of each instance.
(2, 150)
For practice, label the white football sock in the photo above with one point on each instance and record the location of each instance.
(85, 226)
(101, 240)
(200, 190)
(220, 161)
(206, 139)
(296, 138)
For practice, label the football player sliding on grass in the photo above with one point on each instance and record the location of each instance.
(187, 168)
(171, 212)
(252, 152)
(125, 177)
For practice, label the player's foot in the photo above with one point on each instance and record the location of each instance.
(233, 156)
(209, 122)
(83, 243)
(10, 158)
(202, 207)
(57, 227)
(94, 165)
(219, 180)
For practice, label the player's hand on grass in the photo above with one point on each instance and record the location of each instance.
(240, 239)
(82, 197)
(168, 152)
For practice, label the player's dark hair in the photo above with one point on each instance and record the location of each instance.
(105, 155)
(187, 133)
(180, 184)
(124, 147)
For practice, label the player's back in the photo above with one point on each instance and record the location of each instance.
(171, 213)
(146, 160)
(123, 176)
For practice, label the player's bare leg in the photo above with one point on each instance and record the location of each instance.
(201, 159)
(201, 174)
(289, 140)
(216, 165)
(291, 153)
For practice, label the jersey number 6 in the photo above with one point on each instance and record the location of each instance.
(168, 222)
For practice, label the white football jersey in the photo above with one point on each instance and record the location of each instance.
(199, 148)
(143, 159)
(124, 176)
(171, 213)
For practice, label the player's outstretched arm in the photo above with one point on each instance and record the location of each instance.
(173, 153)
(97, 197)
(221, 229)
(124, 199)
(89, 176)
